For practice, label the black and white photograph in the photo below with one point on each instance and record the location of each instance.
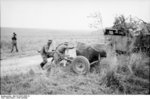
(74, 47)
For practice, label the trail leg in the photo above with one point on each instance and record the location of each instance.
(98, 65)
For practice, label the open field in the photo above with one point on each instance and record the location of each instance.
(21, 74)
(31, 40)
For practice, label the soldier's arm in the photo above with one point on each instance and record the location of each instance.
(69, 47)
(53, 46)
(60, 54)
(46, 49)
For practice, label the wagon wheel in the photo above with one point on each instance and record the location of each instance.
(80, 65)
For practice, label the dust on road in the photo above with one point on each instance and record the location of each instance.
(20, 65)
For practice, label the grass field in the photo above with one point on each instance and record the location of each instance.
(121, 74)
(31, 40)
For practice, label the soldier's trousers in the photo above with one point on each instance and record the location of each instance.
(57, 58)
(14, 45)
(45, 57)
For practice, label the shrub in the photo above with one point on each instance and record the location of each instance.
(124, 82)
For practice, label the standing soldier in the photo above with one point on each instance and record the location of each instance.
(45, 53)
(14, 42)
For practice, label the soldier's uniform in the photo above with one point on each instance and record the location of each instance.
(59, 55)
(45, 53)
(14, 43)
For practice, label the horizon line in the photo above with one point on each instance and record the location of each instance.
(52, 28)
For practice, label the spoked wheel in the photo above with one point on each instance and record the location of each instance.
(80, 65)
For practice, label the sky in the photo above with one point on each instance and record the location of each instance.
(68, 14)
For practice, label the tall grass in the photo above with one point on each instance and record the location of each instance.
(131, 76)
(114, 78)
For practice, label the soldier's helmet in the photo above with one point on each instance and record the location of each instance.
(66, 43)
(49, 41)
(14, 33)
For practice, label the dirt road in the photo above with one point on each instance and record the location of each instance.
(20, 65)
(20, 80)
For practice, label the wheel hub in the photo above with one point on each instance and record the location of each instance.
(80, 67)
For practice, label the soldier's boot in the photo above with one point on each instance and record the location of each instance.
(42, 65)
